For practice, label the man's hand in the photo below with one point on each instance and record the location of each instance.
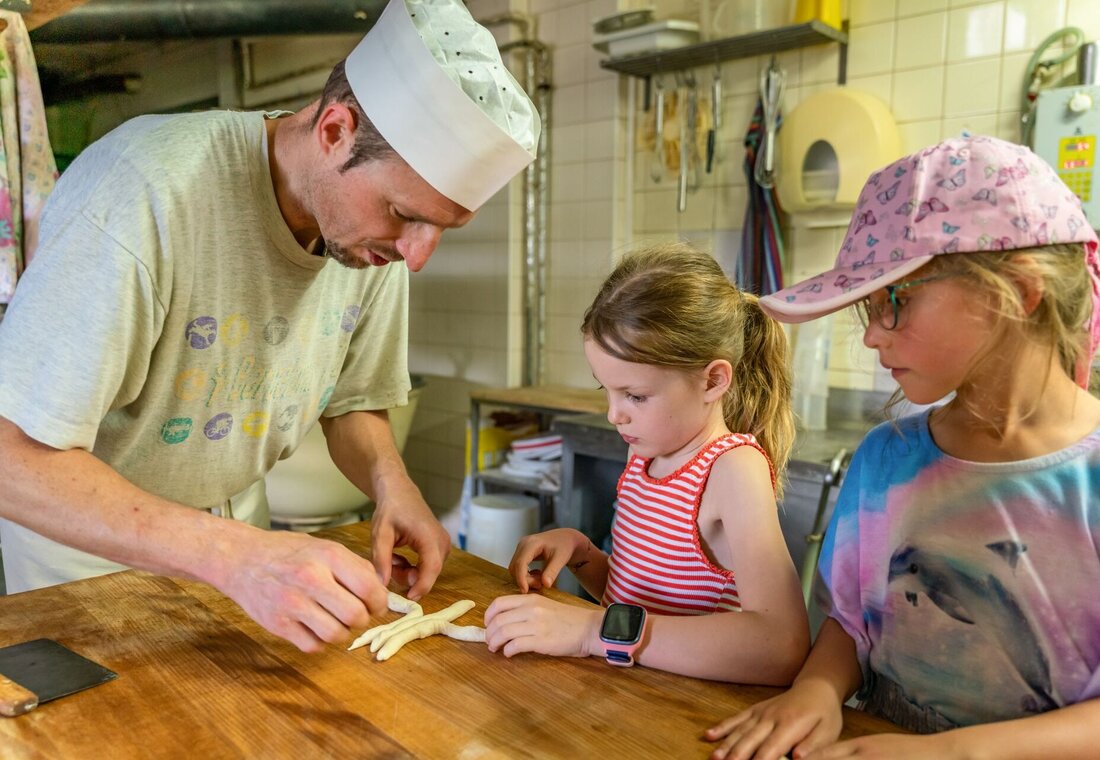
(362, 446)
(306, 590)
(404, 519)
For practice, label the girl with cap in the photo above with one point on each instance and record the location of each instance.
(960, 568)
(698, 386)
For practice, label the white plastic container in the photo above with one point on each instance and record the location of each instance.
(649, 38)
(497, 522)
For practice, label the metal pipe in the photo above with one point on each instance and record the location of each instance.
(115, 20)
(536, 192)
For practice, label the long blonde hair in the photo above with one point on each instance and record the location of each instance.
(673, 306)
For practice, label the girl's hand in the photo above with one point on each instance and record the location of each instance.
(807, 717)
(536, 624)
(557, 548)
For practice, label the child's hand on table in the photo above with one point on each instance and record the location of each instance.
(806, 717)
(532, 623)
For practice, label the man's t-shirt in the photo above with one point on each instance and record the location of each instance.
(171, 324)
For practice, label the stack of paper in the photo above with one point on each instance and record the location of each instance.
(537, 459)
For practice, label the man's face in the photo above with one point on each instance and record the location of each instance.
(380, 212)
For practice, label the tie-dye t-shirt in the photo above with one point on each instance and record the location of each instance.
(971, 586)
(171, 324)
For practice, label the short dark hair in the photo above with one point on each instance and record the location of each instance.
(369, 143)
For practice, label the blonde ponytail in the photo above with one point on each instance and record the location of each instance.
(759, 402)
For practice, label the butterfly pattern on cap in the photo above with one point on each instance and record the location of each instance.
(866, 219)
(953, 183)
(888, 194)
(965, 194)
(1006, 173)
(931, 206)
(986, 194)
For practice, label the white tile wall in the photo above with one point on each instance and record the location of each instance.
(921, 41)
(941, 65)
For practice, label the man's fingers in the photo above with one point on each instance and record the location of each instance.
(403, 573)
(427, 569)
(382, 551)
(355, 586)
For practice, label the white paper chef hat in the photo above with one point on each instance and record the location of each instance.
(431, 80)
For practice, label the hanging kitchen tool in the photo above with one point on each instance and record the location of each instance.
(759, 266)
(37, 671)
(772, 81)
(715, 116)
(687, 139)
(696, 119)
(657, 159)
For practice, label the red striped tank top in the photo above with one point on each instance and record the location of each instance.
(656, 559)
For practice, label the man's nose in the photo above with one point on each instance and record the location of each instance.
(417, 245)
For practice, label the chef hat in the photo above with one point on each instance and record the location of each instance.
(432, 82)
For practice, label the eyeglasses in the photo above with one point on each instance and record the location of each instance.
(876, 312)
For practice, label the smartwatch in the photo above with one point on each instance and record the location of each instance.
(622, 632)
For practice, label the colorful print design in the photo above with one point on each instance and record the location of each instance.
(969, 585)
(233, 392)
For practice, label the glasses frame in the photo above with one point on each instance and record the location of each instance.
(867, 317)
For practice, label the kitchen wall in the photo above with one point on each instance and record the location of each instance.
(941, 65)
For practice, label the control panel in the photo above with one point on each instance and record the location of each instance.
(1067, 123)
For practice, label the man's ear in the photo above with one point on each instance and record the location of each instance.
(719, 375)
(335, 130)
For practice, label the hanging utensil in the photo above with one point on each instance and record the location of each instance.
(715, 116)
(772, 81)
(692, 136)
(657, 160)
(685, 151)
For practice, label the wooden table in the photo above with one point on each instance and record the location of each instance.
(199, 679)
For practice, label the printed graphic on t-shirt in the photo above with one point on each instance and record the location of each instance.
(237, 383)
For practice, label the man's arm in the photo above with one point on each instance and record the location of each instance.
(299, 588)
(362, 446)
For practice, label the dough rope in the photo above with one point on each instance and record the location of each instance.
(385, 640)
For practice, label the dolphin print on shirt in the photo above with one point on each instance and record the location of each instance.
(970, 594)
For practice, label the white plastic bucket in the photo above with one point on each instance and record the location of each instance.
(497, 522)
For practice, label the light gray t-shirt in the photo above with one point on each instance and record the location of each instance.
(171, 325)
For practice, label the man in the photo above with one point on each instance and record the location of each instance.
(182, 326)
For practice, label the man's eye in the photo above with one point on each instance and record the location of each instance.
(402, 217)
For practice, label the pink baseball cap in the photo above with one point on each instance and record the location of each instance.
(963, 195)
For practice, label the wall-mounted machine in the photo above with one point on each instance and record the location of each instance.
(1065, 127)
(1067, 123)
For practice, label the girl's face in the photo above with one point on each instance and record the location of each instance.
(942, 326)
(658, 411)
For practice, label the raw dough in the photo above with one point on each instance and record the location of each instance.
(385, 640)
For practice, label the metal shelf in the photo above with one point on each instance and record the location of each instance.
(743, 46)
(498, 478)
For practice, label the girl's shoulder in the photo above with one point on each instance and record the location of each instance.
(902, 435)
(909, 439)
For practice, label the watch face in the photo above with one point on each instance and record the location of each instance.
(622, 623)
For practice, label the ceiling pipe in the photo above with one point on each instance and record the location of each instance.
(117, 20)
